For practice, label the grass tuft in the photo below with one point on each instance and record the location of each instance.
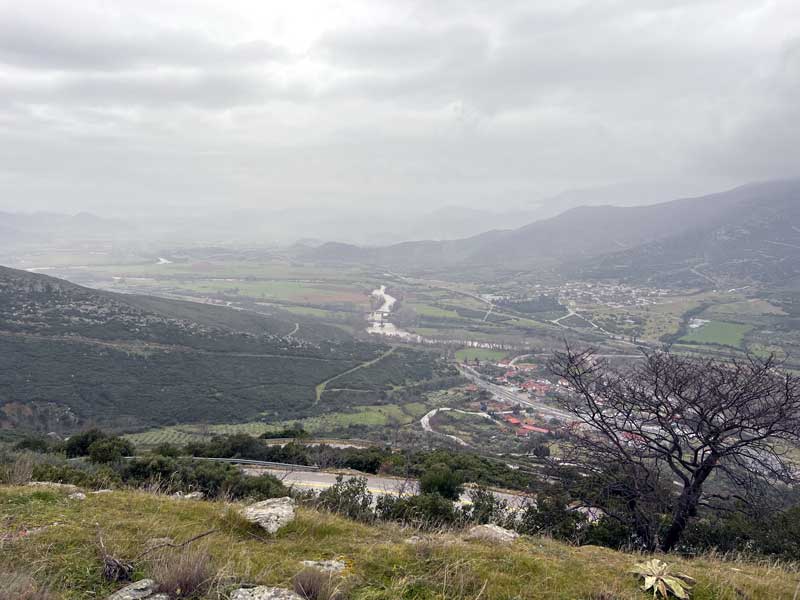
(313, 584)
(189, 574)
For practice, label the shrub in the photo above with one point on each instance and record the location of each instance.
(87, 477)
(167, 449)
(348, 497)
(439, 479)
(550, 515)
(212, 478)
(78, 444)
(34, 443)
(18, 470)
(313, 584)
(486, 507)
(424, 510)
(185, 575)
(296, 431)
(108, 450)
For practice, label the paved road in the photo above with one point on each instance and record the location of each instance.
(378, 485)
(511, 396)
(425, 421)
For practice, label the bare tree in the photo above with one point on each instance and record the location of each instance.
(649, 437)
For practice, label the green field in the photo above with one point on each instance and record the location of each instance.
(373, 416)
(480, 354)
(723, 333)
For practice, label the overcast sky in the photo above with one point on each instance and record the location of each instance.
(136, 106)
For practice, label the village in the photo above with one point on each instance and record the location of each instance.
(517, 395)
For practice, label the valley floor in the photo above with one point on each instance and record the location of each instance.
(45, 532)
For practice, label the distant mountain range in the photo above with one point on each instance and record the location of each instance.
(751, 233)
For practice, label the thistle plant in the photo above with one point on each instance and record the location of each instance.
(664, 583)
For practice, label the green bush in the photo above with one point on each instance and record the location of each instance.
(108, 450)
(439, 479)
(550, 515)
(485, 507)
(423, 510)
(86, 477)
(36, 443)
(167, 449)
(211, 478)
(348, 497)
(78, 444)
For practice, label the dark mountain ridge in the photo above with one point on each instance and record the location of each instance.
(613, 241)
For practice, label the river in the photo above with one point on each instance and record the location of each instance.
(379, 324)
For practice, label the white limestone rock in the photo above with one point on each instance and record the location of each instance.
(326, 566)
(271, 514)
(491, 533)
(144, 589)
(263, 592)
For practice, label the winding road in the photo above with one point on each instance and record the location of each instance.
(378, 485)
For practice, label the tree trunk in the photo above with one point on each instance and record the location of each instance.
(686, 507)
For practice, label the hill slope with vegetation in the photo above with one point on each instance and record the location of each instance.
(52, 538)
(747, 233)
(72, 356)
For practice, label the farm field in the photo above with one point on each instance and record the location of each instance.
(724, 333)
(483, 354)
(335, 423)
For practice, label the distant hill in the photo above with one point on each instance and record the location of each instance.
(753, 223)
(71, 356)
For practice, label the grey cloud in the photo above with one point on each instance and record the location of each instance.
(43, 44)
(402, 47)
(218, 89)
(454, 102)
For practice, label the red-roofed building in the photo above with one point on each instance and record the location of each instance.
(513, 421)
(535, 429)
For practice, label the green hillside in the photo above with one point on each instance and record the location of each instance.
(72, 356)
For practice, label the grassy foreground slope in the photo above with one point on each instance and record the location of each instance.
(381, 563)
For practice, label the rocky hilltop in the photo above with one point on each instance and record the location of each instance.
(53, 535)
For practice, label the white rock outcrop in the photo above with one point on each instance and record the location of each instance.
(326, 566)
(67, 487)
(271, 514)
(263, 592)
(491, 533)
(144, 589)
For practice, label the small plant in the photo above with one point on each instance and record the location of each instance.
(313, 584)
(185, 575)
(664, 583)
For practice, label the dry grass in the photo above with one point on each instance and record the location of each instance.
(187, 574)
(382, 564)
(19, 472)
(20, 586)
(313, 584)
